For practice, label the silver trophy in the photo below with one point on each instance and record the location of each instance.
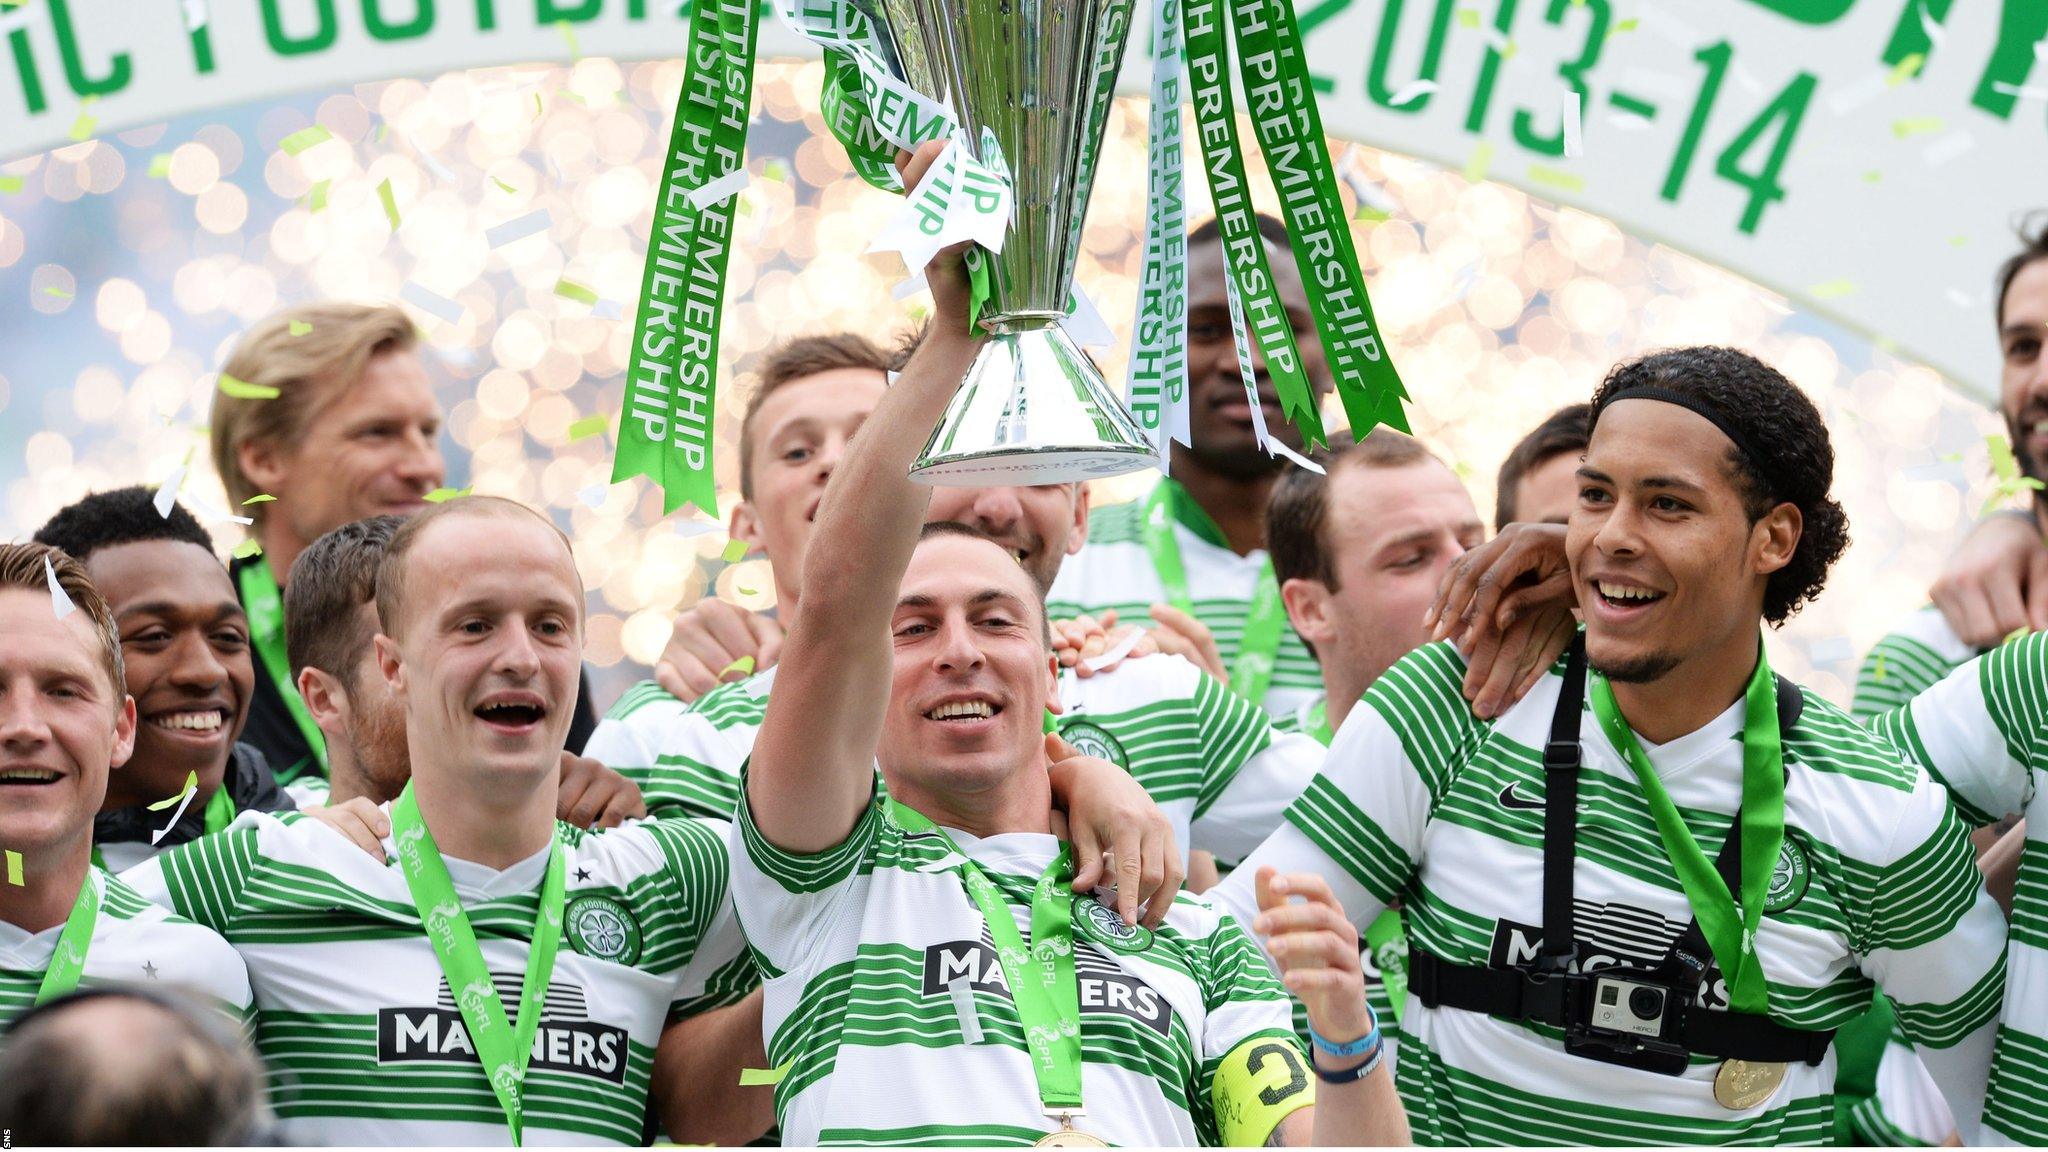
(1030, 81)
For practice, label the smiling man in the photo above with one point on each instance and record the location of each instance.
(337, 422)
(497, 972)
(185, 645)
(893, 927)
(65, 721)
(1596, 958)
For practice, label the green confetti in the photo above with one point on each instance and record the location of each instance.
(1621, 26)
(160, 165)
(587, 427)
(745, 667)
(1906, 69)
(1916, 126)
(1873, 177)
(191, 786)
(383, 131)
(303, 139)
(10, 183)
(504, 187)
(317, 198)
(1557, 178)
(243, 390)
(14, 878)
(2016, 633)
(755, 1077)
(775, 170)
(81, 128)
(246, 549)
(1468, 17)
(1370, 214)
(735, 551)
(59, 293)
(1480, 160)
(443, 495)
(259, 498)
(569, 38)
(2005, 470)
(570, 290)
(1878, 673)
(300, 327)
(536, 106)
(385, 194)
(576, 97)
(743, 590)
(1958, 241)
(1833, 289)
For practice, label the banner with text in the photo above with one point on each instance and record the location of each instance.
(1866, 158)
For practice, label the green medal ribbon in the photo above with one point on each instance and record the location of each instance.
(1315, 720)
(1730, 929)
(1040, 975)
(67, 963)
(1244, 249)
(503, 1049)
(665, 432)
(1386, 929)
(1158, 370)
(220, 809)
(1252, 672)
(265, 606)
(1289, 130)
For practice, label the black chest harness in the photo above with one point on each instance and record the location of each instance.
(1643, 1018)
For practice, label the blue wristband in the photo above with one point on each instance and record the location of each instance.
(1358, 1047)
(1353, 1075)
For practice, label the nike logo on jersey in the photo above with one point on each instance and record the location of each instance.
(1509, 798)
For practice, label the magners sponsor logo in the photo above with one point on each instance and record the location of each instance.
(568, 1041)
(1106, 990)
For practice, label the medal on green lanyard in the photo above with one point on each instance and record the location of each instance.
(265, 606)
(67, 963)
(503, 1049)
(1040, 975)
(220, 809)
(1730, 928)
(1252, 672)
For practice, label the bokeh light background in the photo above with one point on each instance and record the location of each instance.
(128, 266)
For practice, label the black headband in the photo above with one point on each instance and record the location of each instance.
(1690, 404)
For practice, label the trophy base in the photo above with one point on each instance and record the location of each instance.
(1033, 409)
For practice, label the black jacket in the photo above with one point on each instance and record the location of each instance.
(250, 785)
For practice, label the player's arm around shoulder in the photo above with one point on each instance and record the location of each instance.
(203, 880)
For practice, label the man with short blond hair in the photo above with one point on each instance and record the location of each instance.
(505, 973)
(65, 722)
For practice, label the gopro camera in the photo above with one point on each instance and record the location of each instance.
(1629, 1007)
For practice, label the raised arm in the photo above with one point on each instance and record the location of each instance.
(813, 765)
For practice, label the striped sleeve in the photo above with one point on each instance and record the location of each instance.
(203, 881)
(786, 900)
(682, 764)
(1894, 671)
(1976, 729)
(1934, 940)
(1245, 1003)
(1250, 773)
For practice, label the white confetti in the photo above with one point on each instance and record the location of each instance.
(607, 310)
(2041, 50)
(431, 302)
(1948, 148)
(689, 528)
(1935, 32)
(1411, 92)
(196, 14)
(1961, 299)
(502, 234)
(1275, 448)
(1116, 653)
(167, 494)
(909, 287)
(1086, 325)
(1854, 96)
(2019, 92)
(12, 17)
(1629, 121)
(593, 495)
(1369, 194)
(1574, 138)
(211, 513)
(962, 993)
(59, 602)
(1496, 39)
(724, 188)
(182, 805)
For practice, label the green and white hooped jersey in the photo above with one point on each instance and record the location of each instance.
(1421, 800)
(364, 1041)
(1115, 571)
(1207, 757)
(1983, 731)
(133, 942)
(1908, 661)
(862, 945)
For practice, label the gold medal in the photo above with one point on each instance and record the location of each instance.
(1740, 1085)
(1070, 1137)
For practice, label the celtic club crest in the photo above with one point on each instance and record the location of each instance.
(603, 929)
(1789, 878)
(1094, 740)
(1102, 925)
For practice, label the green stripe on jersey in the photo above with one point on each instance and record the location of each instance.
(1421, 801)
(1906, 663)
(870, 937)
(363, 1039)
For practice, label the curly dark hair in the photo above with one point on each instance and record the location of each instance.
(2033, 234)
(119, 516)
(1790, 460)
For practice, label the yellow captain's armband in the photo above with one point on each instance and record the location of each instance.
(1258, 1085)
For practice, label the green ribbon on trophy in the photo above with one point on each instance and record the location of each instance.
(666, 431)
(1158, 370)
(1290, 133)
